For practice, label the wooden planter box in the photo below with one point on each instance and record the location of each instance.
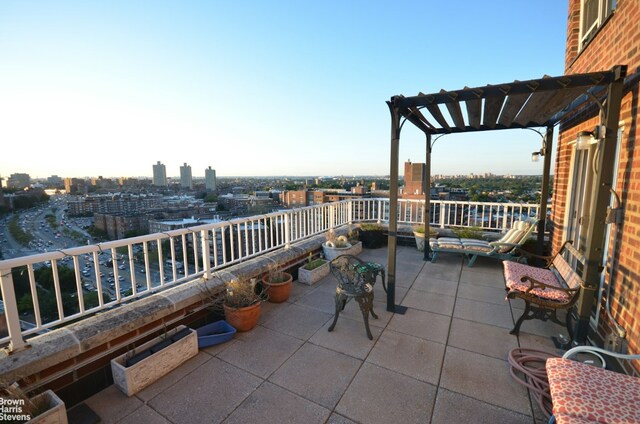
(132, 379)
(56, 414)
(311, 277)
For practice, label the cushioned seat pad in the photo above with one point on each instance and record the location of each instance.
(514, 271)
(583, 393)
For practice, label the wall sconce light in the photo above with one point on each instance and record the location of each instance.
(535, 156)
(587, 138)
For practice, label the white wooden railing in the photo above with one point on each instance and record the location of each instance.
(107, 274)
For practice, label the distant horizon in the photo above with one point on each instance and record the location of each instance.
(177, 177)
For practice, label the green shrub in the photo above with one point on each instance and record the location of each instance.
(468, 232)
(420, 230)
(314, 264)
(370, 226)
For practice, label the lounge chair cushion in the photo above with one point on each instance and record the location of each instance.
(513, 271)
(513, 236)
(584, 393)
(446, 243)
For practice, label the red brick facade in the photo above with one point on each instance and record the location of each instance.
(617, 42)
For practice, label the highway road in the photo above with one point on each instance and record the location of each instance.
(48, 238)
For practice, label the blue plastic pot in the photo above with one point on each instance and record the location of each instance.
(214, 333)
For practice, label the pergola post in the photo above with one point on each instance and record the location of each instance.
(393, 208)
(427, 200)
(596, 229)
(544, 195)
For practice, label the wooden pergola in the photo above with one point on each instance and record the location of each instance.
(540, 103)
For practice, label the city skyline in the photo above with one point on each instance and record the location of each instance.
(262, 90)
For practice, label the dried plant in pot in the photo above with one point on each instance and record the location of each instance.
(241, 303)
(45, 407)
(277, 283)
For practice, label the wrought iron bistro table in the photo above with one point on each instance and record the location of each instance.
(355, 281)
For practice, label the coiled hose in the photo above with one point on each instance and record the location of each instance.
(528, 367)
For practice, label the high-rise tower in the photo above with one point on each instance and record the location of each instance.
(210, 179)
(186, 180)
(159, 175)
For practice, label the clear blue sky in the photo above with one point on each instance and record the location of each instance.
(108, 88)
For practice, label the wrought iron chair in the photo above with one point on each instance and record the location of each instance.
(355, 281)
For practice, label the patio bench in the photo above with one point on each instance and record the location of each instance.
(583, 393)
(546, 290)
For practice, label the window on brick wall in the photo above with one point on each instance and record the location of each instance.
(593, 13)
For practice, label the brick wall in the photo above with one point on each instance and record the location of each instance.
(617, 42)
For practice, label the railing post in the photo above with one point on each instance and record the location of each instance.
(206, 261)
(443, 210)
(16, 342)
(380, 211)
(287, 231)
(504, 218)
(332, 218)
(350, 211)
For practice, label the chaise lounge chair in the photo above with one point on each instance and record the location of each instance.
(504, 248)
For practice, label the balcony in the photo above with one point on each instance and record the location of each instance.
(428, 365)
(443, 361)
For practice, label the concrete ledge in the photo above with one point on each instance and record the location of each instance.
(46, 351)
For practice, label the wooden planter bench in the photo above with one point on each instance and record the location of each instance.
(546, 290)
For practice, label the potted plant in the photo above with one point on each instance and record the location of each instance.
(372, 235)
(242, 304)
(139, 367)
(419, 234)
(45, 407)
(313, 271)
(277, 284)
(335, 246)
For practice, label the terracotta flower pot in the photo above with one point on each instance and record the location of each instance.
(243, 319)
(278, 292)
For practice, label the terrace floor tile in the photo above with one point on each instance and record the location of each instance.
(443, 360)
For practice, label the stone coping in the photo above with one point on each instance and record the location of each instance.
(103, 329)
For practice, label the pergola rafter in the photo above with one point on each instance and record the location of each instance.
(520, 104)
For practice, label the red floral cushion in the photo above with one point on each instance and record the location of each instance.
(584, 393)
(514, 271)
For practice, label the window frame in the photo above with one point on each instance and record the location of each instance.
(606, 8)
